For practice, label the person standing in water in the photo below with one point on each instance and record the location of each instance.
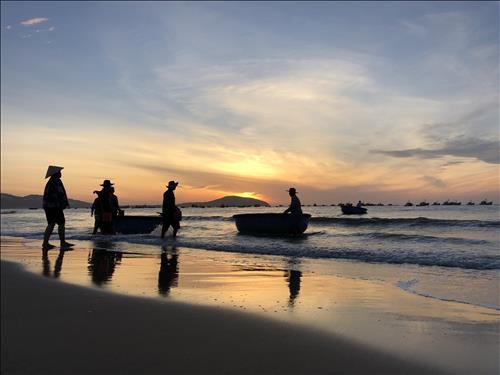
(171, 213)
(55, 201)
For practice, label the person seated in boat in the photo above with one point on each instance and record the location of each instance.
(359, 205)
(96, 212)
(170, 212)
(295, 206)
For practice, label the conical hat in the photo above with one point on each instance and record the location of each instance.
(52, 170)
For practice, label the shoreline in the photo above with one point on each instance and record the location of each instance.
(52, 327)
(351, 304)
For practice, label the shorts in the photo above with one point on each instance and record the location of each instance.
(55, 216)
(169, 220)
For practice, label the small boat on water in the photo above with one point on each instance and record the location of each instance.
(408, 204)
(135, 224)
(486, 203)
(422, 204)
(352, 210)
(271, 223)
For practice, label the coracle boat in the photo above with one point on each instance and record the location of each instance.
(136, 224)
(353, 210)
(271, 223)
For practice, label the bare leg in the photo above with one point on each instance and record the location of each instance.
(164, 229)
(48, 231)
(61, 229)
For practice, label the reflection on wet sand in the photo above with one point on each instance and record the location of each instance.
(46, 263)
(102, 263)
(169, 270)
(293, 279)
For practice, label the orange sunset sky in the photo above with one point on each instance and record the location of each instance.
(383, 101)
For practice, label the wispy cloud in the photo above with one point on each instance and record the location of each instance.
(34, 21)
(484, 150)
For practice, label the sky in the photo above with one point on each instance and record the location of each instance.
(345, 101)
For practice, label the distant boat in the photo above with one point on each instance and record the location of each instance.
(451, 203)
(470, 203)
(408, 204)
(271, 223)
(436, 204)
(422, 204)
(131, 224)
(353, 210)
(486, 203)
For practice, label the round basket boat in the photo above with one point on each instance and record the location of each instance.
(272, 223)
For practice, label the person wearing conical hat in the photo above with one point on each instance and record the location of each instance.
(55, 201)
(171, 213)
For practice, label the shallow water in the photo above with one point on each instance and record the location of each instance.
(448, 253)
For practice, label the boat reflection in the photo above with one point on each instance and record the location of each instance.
(169, 270)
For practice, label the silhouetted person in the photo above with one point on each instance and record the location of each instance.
(55, 201)
(115, 206)
(96, 211)
(107, 207)
(295, 210)
(295, 206)
(169, 272)
(359, 204)
(170, 212)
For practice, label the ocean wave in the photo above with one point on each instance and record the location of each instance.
(298, 247)
(207, 218)
(412, 222)
(420, 238)
(408, 286)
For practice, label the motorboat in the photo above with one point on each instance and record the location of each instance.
(408, 204)
(135, 224)
(272, 223)
(422, 204)
(352, 210)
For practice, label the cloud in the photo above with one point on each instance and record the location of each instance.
(437, 182)
(34, 21)
(481, 149)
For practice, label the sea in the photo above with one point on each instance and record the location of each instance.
(451, 253)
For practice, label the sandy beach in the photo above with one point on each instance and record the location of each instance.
(180, 310)
(52, 327)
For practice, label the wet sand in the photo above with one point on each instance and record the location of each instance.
(57, 328)
(221, 312)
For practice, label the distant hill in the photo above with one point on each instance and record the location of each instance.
(229, 201)
(33, 201)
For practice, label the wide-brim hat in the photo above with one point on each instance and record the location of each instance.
(172, 184)
(107, 183)
(52, 170)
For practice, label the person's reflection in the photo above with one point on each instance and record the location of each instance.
(101, 264)
(293, 279)
(46, 263)
(169, 270)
